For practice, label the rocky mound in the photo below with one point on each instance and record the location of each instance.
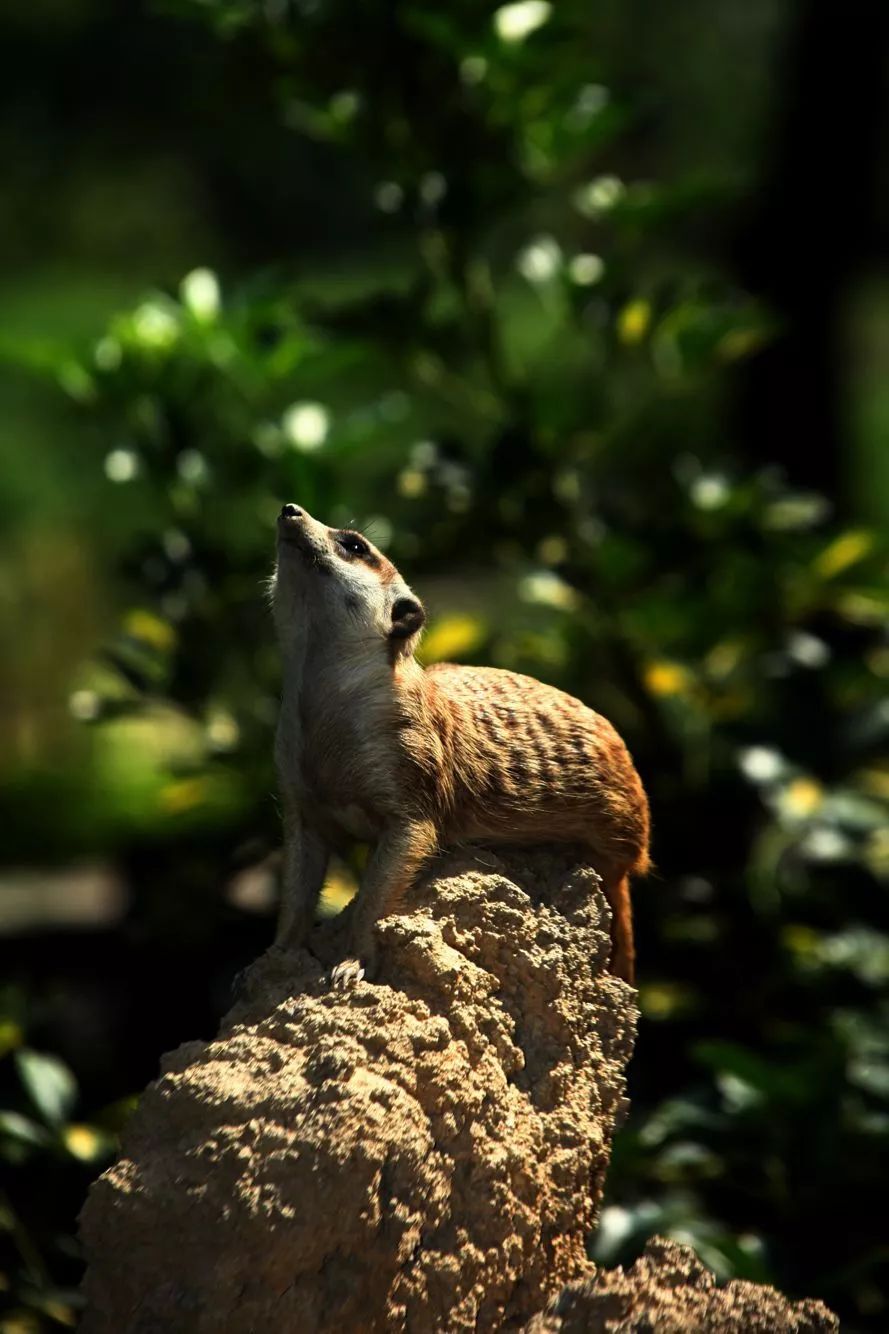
(669, 1291)
(424, 1153)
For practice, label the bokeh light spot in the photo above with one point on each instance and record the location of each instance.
(155, 326)
(513, 23)
(122, 465)
(388, 196)
(599, 196)
(761, 764)
(540, 260)
(306, 426)
(200, 293)
(585, 270)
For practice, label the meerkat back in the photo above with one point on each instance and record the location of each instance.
(539, 764)
(533, 764)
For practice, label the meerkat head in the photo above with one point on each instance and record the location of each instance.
(333, 582)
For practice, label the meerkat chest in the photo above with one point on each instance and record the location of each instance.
(336, 757)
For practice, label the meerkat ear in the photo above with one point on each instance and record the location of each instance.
(408, 617)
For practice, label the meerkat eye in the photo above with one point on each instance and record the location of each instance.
(351, 542)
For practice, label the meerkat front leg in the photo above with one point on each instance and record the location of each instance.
(305, 864)
(392, 868)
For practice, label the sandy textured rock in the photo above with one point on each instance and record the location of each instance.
(424, 1154)
(669, 1291)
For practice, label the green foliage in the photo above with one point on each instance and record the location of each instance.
(518, 382)
(41, 1147)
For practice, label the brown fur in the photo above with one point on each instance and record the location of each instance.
(372, 746)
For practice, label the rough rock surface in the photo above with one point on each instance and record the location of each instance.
(669, 1291)
(424, 1154)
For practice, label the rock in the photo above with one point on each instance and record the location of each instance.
(424, 1153)
(669, 1291)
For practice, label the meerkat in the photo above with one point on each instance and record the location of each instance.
(371, 746)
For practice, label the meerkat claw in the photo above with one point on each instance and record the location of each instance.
(346, 975)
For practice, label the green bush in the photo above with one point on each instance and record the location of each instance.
(518, 381)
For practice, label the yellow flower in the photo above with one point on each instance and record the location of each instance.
(150, 629)
(451, 637)
(846, 550)
(82, 1142)
(633, 322)
(802, 796)
(667, 678)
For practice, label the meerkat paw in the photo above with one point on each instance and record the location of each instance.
(361, 963)
(346, 975)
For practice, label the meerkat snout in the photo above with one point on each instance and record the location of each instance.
(336, 579)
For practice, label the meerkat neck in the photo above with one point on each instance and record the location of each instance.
(329, 671)
(407, 674)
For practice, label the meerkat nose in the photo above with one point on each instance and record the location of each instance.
(291, 512)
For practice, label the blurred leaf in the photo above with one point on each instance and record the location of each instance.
(23, 1130)
(50, 1084)
(746, 1079)
(872, 1076)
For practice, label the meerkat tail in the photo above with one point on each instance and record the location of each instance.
(623, 949)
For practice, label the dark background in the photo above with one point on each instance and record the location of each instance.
(584, 313)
